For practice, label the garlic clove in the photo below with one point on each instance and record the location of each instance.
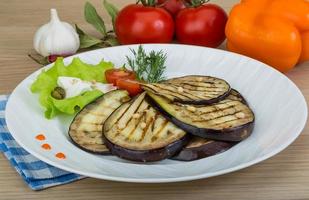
(38, 35)
(56, 37)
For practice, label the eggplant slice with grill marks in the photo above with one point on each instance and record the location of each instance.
(137, 132)
(228, 120)
(191, 89)
(86, 128)
(199, 148)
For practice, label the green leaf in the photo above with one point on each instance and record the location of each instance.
(47, 81)
(94, 19)
(111, 41)
(86, 41)
(112, 11)
(65, 105)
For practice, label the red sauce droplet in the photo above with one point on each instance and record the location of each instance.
(40, 137)
(46, 146)
(60, 155)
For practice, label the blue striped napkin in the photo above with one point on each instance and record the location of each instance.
(36, 173)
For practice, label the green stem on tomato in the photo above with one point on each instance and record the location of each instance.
(151, 3)
(197, 3)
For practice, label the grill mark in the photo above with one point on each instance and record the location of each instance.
(135, 126)
(93, 113)
(117, 134)
(118, 131)
(187, 93)
(167, 89)
(192, 85)
(184, 92)
(247, 118)
(101, 115)
(208, 80)
(226, 101)
(127, 110)
(194, 81)
(177, 107)
(169, 96)
(214, 118)
(132, 118)
(88, 123)
(193, 94)
(154, 137)
(102, 106)
(217, 110)
(150, 123)
(120, 117)
(217, 124)
(154, 120)
(205, 92)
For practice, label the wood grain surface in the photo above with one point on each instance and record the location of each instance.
(284, 176)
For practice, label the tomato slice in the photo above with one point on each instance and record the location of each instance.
(133, 87)
(113, 75)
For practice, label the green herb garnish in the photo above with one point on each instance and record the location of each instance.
(148, 67)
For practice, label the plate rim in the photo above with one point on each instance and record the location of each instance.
(172, 179)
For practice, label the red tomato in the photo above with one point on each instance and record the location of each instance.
(203, 25)
(131, 86)
(172, 6)
(142, 24)
(112, 75)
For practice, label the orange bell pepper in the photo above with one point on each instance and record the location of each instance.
(275, 32)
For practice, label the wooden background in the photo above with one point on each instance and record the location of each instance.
(285, 176)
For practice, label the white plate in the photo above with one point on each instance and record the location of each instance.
(279, 106)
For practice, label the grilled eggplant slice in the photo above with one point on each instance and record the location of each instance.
(138, 132)
(199, 148)
(86, 129)
(235, 95)
(228, 120)
(191, 89)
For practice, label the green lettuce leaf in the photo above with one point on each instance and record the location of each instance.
(47, 81)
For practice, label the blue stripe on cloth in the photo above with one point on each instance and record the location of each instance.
(2, 105)
(37, 174)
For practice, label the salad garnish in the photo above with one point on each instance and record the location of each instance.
(52, 98)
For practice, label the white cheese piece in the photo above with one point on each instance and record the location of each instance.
(103, 87)
(75, 86)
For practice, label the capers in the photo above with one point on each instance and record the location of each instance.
(58, 93)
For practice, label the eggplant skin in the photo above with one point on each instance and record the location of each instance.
(235, 134)
(206, 150)
(147, 155)
(105, 153)
(235, 95)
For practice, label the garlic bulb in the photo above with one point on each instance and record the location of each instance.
(56, 37)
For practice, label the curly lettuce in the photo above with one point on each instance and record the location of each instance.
(47, 81)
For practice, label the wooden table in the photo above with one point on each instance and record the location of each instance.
(284, 176)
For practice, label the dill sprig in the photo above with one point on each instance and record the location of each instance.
(148, 67)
